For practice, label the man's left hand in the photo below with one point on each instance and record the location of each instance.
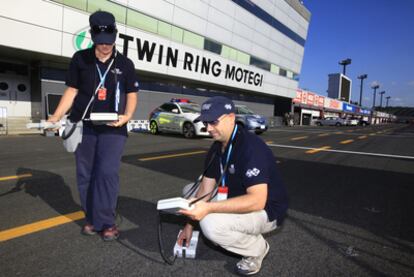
(200, 210)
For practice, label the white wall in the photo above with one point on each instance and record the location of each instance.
(49, 27)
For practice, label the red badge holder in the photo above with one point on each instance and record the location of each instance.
(102, 94)
(222, 193)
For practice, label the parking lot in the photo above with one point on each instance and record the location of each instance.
(351, 191)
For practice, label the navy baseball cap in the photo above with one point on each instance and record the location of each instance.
(103, 28)
(215, 107)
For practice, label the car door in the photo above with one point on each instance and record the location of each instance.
(330, 121)
(165, 117)
(177, 118)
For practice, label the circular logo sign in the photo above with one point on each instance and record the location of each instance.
(81, 40)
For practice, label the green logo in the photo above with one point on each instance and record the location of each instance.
(81, 40)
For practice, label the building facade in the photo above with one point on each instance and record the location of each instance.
(248, 50)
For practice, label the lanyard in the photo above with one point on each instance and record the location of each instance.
(99, 85)
(222, 169)
(102, 77)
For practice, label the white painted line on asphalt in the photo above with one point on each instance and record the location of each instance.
(343, 151)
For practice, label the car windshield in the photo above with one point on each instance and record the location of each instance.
(244, 110)
(190, 108)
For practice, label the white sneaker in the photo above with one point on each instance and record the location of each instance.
(251, 265)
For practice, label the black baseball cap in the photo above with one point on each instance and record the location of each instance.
(215, 107)
(103, 28)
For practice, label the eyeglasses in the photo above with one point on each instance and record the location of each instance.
(214, 122)
(97, 29)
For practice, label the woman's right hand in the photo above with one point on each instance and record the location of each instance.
(53, 119)
(186, 234)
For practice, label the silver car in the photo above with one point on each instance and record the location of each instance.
(331, 121)
(177, 117)
(250, 120)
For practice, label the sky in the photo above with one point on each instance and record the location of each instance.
(378, 35)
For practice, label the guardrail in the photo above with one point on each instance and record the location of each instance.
(3, 121)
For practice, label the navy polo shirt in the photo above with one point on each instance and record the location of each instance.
(83, 75)
(251, 163)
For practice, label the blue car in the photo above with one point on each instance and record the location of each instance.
(250, 120)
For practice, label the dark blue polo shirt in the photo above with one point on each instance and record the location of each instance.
(83, 75)
(251, 162)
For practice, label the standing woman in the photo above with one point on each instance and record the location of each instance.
(111, 75)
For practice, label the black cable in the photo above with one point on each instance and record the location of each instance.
(193, 188)
(167, 259)
(196, 184)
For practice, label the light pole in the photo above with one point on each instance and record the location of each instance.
(388, 98)
(374, 87)
(344, 63)
(361, 77)
(381, 93)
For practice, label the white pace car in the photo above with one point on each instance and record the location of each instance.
(177, 116)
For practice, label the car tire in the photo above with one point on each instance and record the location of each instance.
(338, 124)
(154, 128)
(189, 130)
(318, 123)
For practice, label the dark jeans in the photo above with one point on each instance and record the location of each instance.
(98, 159)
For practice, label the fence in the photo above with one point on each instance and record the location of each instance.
(138, 126)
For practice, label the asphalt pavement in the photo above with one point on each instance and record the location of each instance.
(351, 192)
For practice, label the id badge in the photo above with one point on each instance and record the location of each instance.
(102, 94)
(222, 193)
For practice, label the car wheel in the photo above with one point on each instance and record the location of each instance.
(338, 124)
(154, 128)
(259, 132)
(189, 130)
(318, 123)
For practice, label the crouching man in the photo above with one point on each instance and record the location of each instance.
(252, 199)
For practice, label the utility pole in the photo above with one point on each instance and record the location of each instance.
(381, 93)
(388, 98)
(344, 63)
(374, 87)
(361, 77)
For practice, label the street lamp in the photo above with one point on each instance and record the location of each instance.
(374, 87)
(381, 93)
(344, 63)
(361, 77)
(388, 98)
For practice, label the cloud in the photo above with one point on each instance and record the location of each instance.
(374, 83)
(397, 99)
(411, 83)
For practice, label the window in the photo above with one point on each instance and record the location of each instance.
(260, 63)
(167, 107)
(192, 39)
(21, 87)
(4, 86)
(274, 68)
(282, 72)
(117, 10)
(164, 29)
(295, 76)
(243, 57)
(212, 46)
(141, 21)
